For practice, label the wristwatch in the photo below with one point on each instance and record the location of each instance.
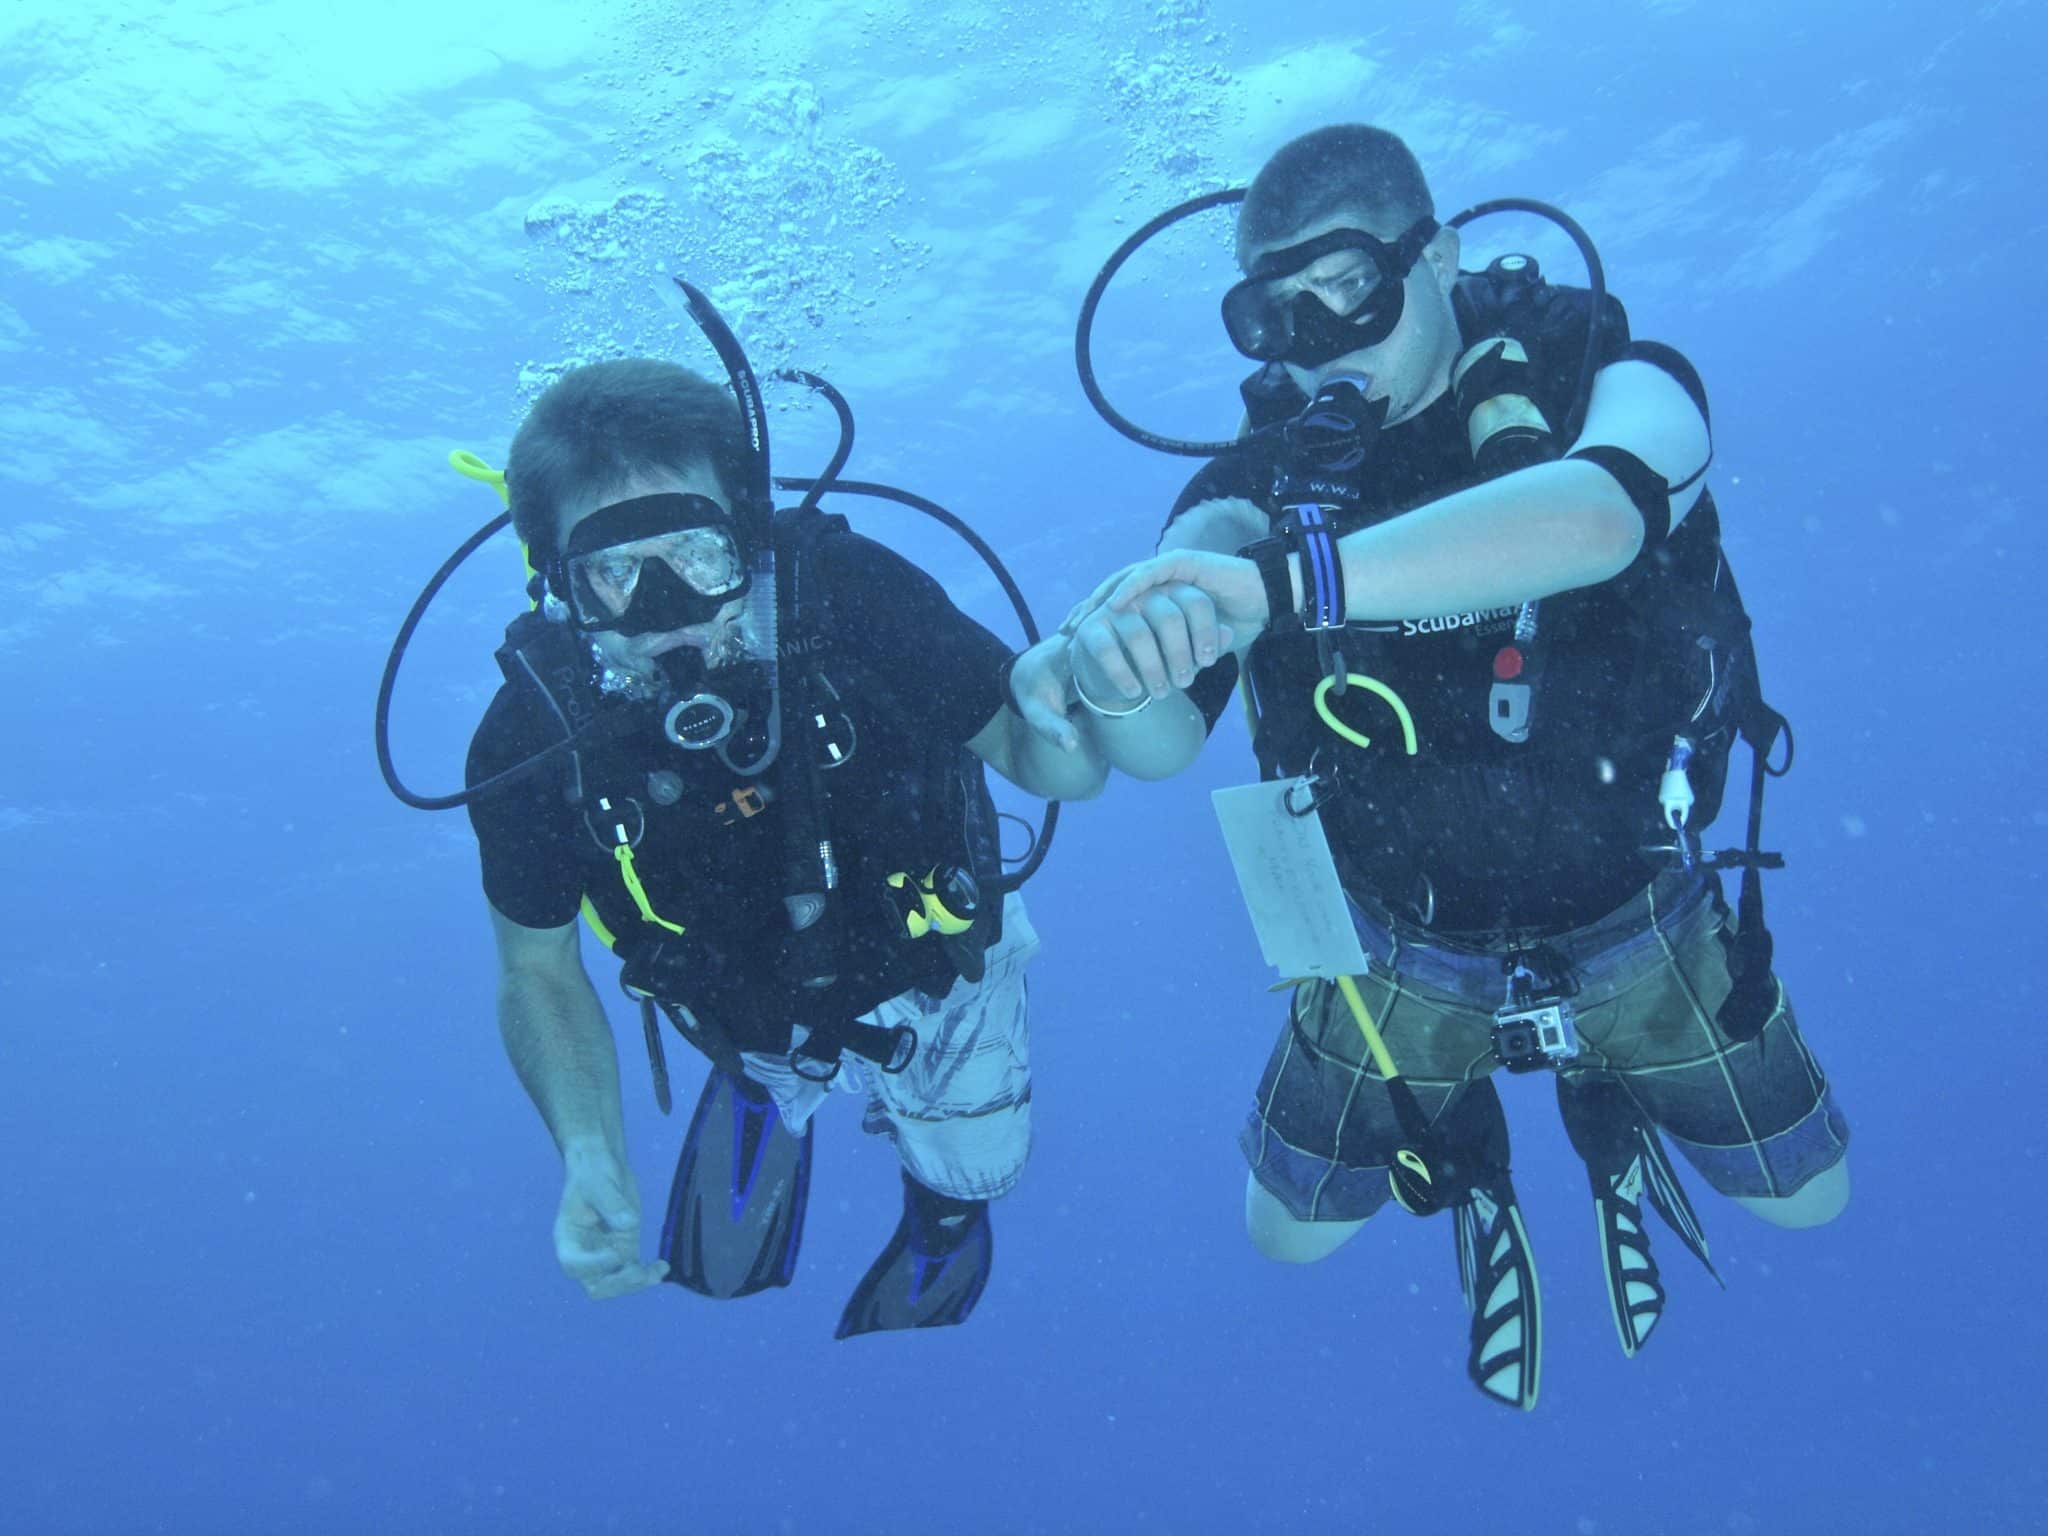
(1271, 555)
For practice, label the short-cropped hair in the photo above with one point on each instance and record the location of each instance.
(598, 427)
(1348, 167)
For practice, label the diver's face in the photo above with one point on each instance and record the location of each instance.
(718, 637)
(1412, 366)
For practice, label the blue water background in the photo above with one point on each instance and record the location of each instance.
(277, 1252)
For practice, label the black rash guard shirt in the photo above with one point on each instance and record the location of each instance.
(1476, 831)
(914, 673)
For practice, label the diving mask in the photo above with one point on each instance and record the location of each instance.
(652, 564)
(1280, 314)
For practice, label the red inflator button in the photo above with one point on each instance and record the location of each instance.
(1507, 664)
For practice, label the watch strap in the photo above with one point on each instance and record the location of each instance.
(1271, 555)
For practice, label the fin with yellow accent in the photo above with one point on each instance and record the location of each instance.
(1501, 1291)
(1495, 1264)
(1628, 1167)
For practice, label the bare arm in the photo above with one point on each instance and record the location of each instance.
(557, 1036)
(1036, 746)
(560, 1044)
(1552, 528)
(1508, 541)
(1222, 527)
(1525, 536)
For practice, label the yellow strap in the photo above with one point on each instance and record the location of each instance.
(597, 925)
(938, 915)
(1380, 1055)
(1374, 686)
(624, 854)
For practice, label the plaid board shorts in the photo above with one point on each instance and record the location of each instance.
(1754, 1117)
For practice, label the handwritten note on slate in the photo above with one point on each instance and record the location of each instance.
(1289, 881)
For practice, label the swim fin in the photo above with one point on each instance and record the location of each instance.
(1626, 1163)
(1495, 1264)
(736, 1209)
(933, 1270)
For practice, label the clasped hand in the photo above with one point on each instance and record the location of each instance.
(1150, 628)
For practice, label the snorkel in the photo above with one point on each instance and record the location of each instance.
(708, 718)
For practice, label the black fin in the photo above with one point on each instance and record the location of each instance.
(736, 1209)
(932, 1271)
(1502, 1293)
(1668, 1199)
(1626, 1165)
(1495, 1264)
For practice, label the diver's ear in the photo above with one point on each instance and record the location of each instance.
(1442, 255)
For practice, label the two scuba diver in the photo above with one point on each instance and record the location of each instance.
(1463, 557)
(747, 745)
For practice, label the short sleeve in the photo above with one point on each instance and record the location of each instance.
(903, 622)
(1558, 346)
(1228, 475)
(524, 829)
(1212, 689)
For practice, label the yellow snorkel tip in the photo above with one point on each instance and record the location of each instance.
(468, 465)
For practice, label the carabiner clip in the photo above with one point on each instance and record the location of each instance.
(1293, 806)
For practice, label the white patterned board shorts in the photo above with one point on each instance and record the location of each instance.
(960, 1113)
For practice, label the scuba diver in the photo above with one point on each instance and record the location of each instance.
(747, 745)
(1463, 556)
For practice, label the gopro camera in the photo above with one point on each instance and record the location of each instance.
(1530, 1037)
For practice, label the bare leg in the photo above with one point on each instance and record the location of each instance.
(1282, 1236)
(1819, 1201)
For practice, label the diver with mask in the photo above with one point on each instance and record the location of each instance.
(1463, 559)
(747, 746)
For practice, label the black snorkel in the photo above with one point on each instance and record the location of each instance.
(707, 719)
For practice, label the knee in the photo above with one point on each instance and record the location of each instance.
(978, 1157)
(1284, 1237)
(1814, 1204)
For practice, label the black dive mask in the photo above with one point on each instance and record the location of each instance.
(1272, 318)
(1335, 431)
(652, 564)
